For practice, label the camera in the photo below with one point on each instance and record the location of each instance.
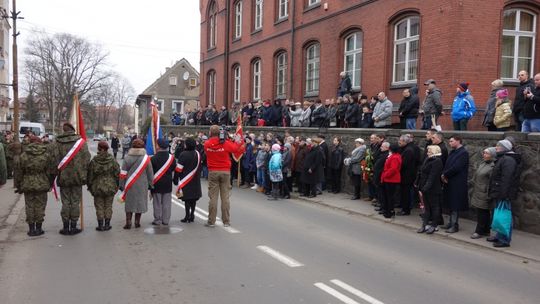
(223, 133)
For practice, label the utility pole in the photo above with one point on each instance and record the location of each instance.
(14, 16)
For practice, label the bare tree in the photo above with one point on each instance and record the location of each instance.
(62, 65)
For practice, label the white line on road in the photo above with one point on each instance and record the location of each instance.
(343, 298)
(280, 257)
(198, 214)
(356, 292)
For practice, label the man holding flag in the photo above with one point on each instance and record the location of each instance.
(72, 158)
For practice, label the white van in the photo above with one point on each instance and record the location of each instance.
(37, 128)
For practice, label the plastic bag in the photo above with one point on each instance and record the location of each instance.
(502, 218)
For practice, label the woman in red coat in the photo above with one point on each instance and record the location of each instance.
(390, 180)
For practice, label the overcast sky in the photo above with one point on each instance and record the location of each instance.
(142, 37)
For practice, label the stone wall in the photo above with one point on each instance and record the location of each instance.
(526, 208)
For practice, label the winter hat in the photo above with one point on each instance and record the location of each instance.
(502, 94)
(103, 146)
(505, 144)
(288, 146)
(492, 151)
(68, 125)
(138, 143)
(276, 147)
(163, 143)
(464, 86)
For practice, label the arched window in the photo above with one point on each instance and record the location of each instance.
(256, 65)
(281, 75)
(406, 49)
(236, 83)
(238, 19)
(313, 53)
(258, 14)
(519, 36)
(353, 58)
(212, 25)
(211, 87)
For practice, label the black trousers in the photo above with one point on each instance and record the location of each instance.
(390, 192)
(356, 180)
(310, 189)
(405, 197)
(190, 208)
(483, 221)
(335, 180)
(432, 208)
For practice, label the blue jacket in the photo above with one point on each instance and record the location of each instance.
(275, 162)
(249, 161)
(463, 106)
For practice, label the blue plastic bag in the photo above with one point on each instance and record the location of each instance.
(502, 218)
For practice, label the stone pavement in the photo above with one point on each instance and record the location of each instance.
(10, 209)
(524, 245)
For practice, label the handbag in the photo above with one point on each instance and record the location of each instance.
(502, 218)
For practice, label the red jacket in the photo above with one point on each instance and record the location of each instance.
(392, 167)
(218, 154)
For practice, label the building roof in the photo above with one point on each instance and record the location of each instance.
(169, 71)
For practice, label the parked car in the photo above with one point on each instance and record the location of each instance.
(99, 137)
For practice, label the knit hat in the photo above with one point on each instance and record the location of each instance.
(502, 94)
(464, 86)
(276, 147)
(163, 143)
(492, 151)
(505, 144)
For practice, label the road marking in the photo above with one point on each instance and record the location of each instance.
(343, 298)
(202, 216)
(280, 257)
(356, 292)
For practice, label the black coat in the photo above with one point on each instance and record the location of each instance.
(164, 184)
(336, 158)
(429, 179)
(378, 167)
(325, 154)
(351, 116)
(519, 100)
(409, 107)
(313, 161)
(456, 169)
(409, 164)
(191, 191)
(318, 117)
(223, 118)
(115, 143)
(504, 182)
(531, 107)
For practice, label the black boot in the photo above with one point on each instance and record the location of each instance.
(65, 230)
(100, 226)
(73, 228)
(39, 231)
(192, 213)
(31, 229)
(107, 226)
(138, 220)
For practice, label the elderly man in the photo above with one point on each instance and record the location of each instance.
(432, 106)
(345, 84)
(409, 167)
(490, 105)
(382, 114)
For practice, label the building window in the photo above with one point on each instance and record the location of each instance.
(236, 83)
(281, 75)
(313, 2)
(173, 80)
(257, 79)
(312, 69)
(519, 38)
(159, 104)
(353, 58)
(238, 19)
(258, 14)
(178, 106)
(211, 87)
(212, 25)
(283, 9)
(406, 47)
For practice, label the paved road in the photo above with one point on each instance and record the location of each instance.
(275, 252)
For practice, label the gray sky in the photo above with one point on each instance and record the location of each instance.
(142, 37)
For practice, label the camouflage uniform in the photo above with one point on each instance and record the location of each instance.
(3, 169)
(33, 179)
(14, 151)
(9, 159)
(71, 179)
(103, 181)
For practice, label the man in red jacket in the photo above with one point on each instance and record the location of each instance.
(218, 149)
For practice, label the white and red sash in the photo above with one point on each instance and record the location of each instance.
(190, 175)
(66, 160)
(159, 174)
(135, 176)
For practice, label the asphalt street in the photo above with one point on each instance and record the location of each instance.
(287, 251)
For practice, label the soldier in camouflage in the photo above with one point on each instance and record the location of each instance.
(103, 181)
(33, 179)
(9, 155)
(71, 178)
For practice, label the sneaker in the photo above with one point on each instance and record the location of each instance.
(255, 187)
(475, 236)
(210, 225)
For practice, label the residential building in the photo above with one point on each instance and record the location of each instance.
(295, 49)
(4, 61)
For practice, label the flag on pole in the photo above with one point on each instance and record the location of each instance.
(154, 131)
(239, 132)
(76, 118)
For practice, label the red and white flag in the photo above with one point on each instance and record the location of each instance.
(239, 132)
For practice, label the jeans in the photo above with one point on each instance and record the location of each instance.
(531, 125)
(427, 122)
(260, 177)
(461, 125)
(411, 123)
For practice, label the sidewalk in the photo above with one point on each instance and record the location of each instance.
(524, 245)
(10, 210)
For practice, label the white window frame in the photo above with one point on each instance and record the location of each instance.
(407, 41)
(160, 103)
(212, 26)
(174, 102)
(313, 66)
(517, 34)
(173, 80)
(238, 20)
(257, 80)
(313, 2)
(258, 15)
(358, 40)
(281, 75)
(237, 74)
(283, 9)
(212, 88)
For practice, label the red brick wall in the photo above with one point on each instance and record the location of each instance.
(459, 41)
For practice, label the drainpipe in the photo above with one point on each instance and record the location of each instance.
(291, 60)
(226, 54)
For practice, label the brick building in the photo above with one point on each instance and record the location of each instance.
(270, 49)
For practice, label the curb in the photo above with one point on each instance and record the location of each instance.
(9, 224)
(374, 216)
